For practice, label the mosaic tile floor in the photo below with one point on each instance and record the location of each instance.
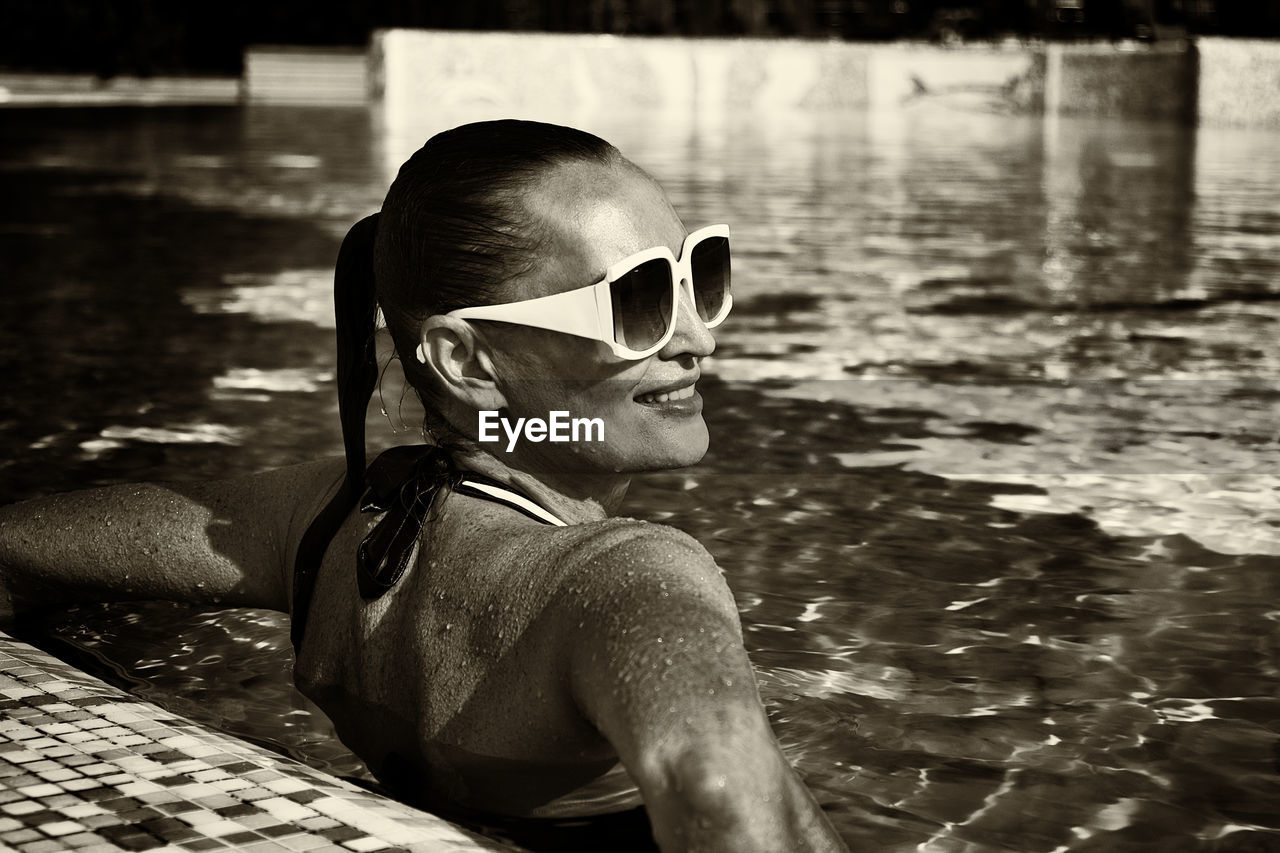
(87, 767)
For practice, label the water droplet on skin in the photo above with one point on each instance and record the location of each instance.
(108, 522)
(448, 626)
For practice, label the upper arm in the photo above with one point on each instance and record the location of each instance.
(659, 667)
(659, 663)
(216, 542)
(256, 522)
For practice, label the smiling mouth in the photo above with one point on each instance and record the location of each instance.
(667, 396)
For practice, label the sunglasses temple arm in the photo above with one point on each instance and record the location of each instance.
(586, 313)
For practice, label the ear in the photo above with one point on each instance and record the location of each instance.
(459, 361)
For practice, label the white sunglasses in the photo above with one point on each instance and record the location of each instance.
(633, 310)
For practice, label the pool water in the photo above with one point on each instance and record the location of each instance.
(995, 466)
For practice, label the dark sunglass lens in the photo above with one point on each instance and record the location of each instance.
(710, 266)
(642, 305)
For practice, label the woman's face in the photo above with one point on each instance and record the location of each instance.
(591, 216)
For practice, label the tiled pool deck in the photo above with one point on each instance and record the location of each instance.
(85, 766)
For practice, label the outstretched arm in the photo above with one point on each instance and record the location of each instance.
(225, 542)
(659, 667)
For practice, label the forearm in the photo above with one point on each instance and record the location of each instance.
(119, 542)
(711, 772)
(739, 794)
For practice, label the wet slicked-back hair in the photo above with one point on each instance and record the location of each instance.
(454, 229)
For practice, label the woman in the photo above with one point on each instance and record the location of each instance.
(501, 646)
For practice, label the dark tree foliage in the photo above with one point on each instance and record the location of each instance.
(148, 37)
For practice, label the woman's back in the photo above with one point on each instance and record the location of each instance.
(454, 683)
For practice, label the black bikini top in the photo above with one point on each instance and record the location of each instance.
(405, 483)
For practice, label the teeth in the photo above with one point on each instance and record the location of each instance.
(679, 394)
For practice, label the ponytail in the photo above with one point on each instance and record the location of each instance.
(355, 309)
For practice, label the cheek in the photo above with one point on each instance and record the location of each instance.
(612, 403)
(553, 371)
(537, 354)
(609, 401)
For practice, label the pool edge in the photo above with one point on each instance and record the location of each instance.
(86, 765)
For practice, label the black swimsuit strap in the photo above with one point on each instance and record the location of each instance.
(306, 564)
(404, 483)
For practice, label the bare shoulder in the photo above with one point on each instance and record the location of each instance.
(627, 551)
(625, 569)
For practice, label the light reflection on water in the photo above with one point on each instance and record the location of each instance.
(994, 439)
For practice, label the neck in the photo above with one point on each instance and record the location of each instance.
(572, 498)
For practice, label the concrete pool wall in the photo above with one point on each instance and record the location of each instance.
(1240, 82)
(1212, 80)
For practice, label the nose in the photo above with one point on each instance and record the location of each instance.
(691, 337)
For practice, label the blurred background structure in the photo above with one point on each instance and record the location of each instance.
(150, 37)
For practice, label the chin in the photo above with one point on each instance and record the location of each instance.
(642, 448)
(679, 450)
